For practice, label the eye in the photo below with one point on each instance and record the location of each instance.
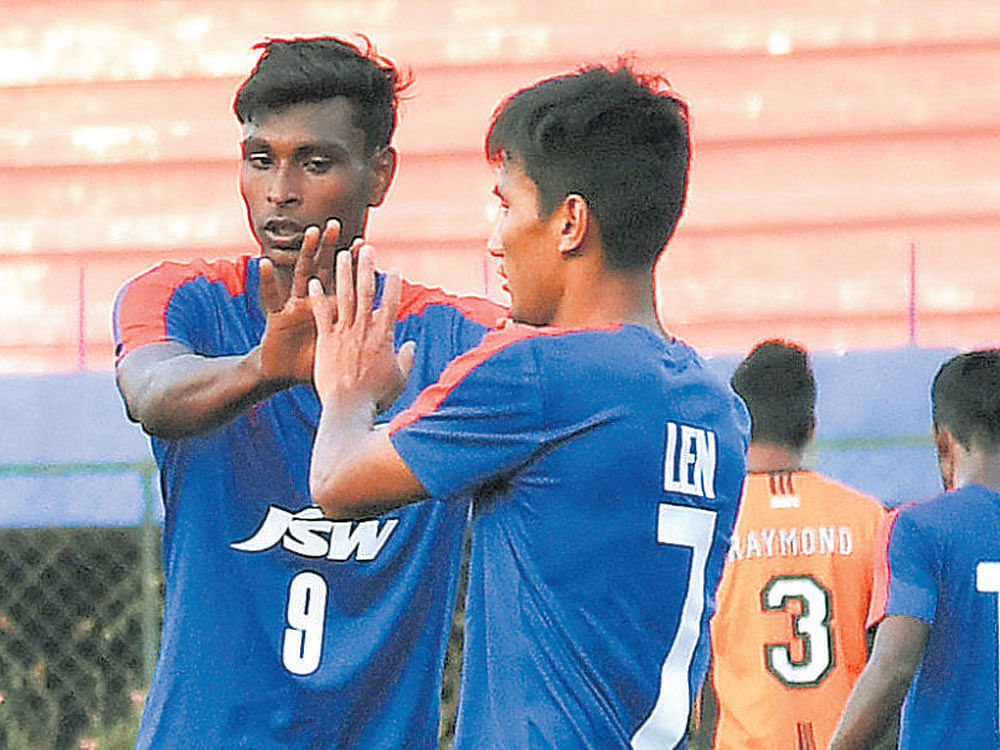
(318, 164)
(259, 159)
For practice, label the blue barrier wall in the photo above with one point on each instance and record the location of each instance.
(873, 419)
(68, 454)
(873, 433)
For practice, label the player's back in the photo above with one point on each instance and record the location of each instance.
(788, 636)
(593, 563)
(944, 568)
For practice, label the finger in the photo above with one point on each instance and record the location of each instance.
(323, 262)
(366, 281)
(386, 313)
(270, 297)
(345, 289)
(322, 306)
(405, 356)
(304, 262)
(356, 246)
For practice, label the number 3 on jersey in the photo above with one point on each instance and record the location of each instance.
(302, 643)
(811, 625)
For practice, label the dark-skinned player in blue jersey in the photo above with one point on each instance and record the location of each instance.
(282, 628)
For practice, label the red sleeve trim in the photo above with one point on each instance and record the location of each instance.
(881, 572)
(414, 298)
(141, 306)
(433, 396)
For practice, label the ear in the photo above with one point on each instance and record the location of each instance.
(574, 221)
(384, 167)
(947, 455)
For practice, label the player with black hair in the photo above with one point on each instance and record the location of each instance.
(788, 636)
(605, 461)
(936, 650)
(282, 628)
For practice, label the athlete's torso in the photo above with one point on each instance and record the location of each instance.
(617, 465)
(283, 628)
(788, 636)
(944, 568)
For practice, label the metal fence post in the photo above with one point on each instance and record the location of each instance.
(150, 576)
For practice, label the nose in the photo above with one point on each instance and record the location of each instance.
(495, 244)
(283, 187)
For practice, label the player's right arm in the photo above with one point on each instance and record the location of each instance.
(174, 392)
(879, 692)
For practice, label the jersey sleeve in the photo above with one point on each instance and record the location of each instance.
(912, 580)
(482, 418)
(490, 413)
(166, 304)
(456, 322)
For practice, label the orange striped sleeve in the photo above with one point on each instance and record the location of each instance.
(434, 395)
(415, 298)
(141, 305)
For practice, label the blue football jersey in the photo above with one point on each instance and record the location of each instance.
(606, 467)
(281, 627)
(943, 563)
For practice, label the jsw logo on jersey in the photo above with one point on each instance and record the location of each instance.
(309, 533)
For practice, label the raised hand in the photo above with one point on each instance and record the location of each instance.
(288, 346)
(355, 362)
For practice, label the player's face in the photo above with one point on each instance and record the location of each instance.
(527, 246)
(303, 165)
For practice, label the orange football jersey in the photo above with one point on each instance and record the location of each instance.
(788, 635)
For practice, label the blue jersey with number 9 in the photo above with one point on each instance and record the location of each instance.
(283, 628)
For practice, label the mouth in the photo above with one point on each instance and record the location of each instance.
(283, 234)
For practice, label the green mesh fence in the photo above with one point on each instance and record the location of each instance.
(80, 613)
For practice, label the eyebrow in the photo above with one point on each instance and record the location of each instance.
(256, 141)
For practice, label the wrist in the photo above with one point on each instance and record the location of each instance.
(349, 404)
(260, 377)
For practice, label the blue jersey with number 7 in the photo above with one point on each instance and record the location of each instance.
(606, 467)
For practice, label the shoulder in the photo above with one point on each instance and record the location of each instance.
(168, 276)
(415, 299)
(847, 497)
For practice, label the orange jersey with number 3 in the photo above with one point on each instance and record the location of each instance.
(788, 636)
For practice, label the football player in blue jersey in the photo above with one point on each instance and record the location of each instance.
(936, 650)
(604, 460)
(282, 628)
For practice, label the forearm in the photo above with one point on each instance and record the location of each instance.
(875, 701)
(355, 471)
(871, 710)
(185, 394)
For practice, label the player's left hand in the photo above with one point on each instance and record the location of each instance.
(355, 361)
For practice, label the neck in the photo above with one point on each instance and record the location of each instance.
(979, 467)
(764, 457)
(597, 297)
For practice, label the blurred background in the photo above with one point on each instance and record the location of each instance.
(845, 194)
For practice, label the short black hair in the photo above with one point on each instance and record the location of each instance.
(966, 398)
(777, 383)
(292, 71)
(617, 138)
